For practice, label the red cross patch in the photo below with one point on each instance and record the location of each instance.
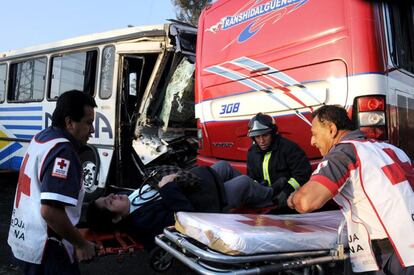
(23, 184)
(61, 168)
(291, 225)
(398, 171)
(320, 166)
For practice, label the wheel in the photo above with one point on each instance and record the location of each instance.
(160, 260)
(90, 168)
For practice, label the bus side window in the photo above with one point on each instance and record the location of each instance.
(27, 80)
(3, 68)
(402, 33)
(107, 71)
(74, 71)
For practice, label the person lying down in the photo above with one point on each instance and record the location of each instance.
(148, 210)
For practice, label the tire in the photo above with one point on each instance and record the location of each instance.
(160, 260)
(90, 168)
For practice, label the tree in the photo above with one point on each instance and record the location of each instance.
(189, 10)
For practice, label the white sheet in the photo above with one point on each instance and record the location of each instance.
(248, 234)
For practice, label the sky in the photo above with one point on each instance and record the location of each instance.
(32, 22)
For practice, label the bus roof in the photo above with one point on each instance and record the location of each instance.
(89, 39)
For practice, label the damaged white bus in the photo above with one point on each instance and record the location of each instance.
(142, 79)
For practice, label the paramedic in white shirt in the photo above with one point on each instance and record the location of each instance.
(373, 184)
(50, 192)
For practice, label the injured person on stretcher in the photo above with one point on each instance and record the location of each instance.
(144, 213)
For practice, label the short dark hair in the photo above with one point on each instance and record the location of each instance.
(99, 219)
(335, 114)
(71, 104)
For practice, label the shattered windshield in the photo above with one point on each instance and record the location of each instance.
(178, 107)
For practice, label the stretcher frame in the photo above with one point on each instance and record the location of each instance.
(203, 260)
(114, 242)
(121, 244)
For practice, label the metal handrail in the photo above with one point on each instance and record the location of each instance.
(197, 264)
(217, 257)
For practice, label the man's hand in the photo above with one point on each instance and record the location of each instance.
(310, 197)
(86, 251)
(57, 219)
(290, 200)
(166, 179)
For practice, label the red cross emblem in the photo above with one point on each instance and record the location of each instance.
(62, 164)
(23, 184)
(398, 171)
(292, 225)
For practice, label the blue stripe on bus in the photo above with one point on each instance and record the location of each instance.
(227, 73)
(272, 72)
(24, 136)
(23, 127)
(10, 150)
(13, 163)
(16, 162)
(24, 109)
(20, 117)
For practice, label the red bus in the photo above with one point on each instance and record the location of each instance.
(286, 58)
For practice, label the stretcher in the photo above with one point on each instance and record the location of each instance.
(121, 244)
(115, 242)
(312, 243)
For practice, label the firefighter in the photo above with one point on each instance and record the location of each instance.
(276, 167)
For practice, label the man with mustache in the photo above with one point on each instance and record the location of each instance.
(373, 184)
(50, 193)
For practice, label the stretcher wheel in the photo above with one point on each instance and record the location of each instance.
(160, 260)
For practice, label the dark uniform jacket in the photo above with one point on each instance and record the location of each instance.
(287, 161)
(149, 220)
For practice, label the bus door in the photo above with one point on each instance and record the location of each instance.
(399, 32)
(156, 112)
(405, 120)
(136, 73)
(155, 121)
